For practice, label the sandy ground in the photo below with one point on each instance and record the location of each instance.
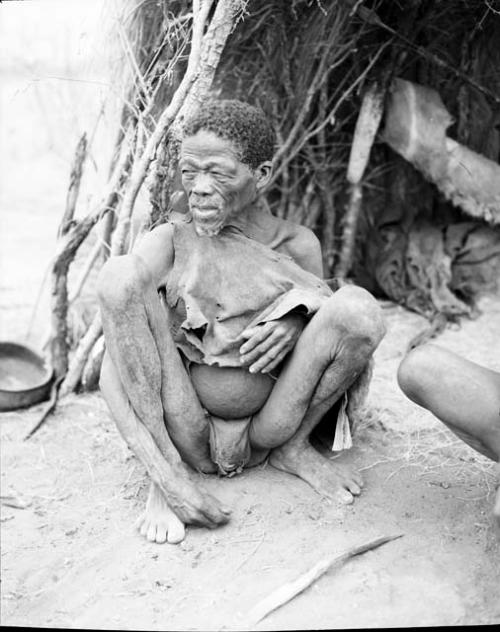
(71, 558)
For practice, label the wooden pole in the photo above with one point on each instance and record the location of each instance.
(367, 125)
(60, 267)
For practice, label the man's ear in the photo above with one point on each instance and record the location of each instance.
(263, 174)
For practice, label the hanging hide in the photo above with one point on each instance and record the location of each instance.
(415, 127)
(438, 270)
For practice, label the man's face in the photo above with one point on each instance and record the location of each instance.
(218, 185)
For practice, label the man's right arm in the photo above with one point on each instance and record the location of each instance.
(156, 249)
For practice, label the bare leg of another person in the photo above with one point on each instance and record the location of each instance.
(153, 401)
(332, 351)
(463, 395)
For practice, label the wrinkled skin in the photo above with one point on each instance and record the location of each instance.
(153, 398)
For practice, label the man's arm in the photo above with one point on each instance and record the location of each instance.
(156, 249)
(305, 249)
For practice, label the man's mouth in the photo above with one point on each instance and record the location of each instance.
(205, 212)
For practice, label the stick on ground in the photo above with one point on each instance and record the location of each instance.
(290, 590)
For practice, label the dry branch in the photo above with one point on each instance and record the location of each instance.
(372, 18)
(367, 125)
(81, 355)
(74, 184)
(285, 593)
(60, 266)
(71, 238)
(47, 408)
(92, 368)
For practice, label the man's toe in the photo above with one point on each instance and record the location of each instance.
(161, 534)
(176, 532)
(345, 497)
(354, 488)
(151, 532)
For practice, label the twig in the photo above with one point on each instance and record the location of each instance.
(371, 17)
(15, 502)
(92, 368)
(251, 554)
(290, 590)
(78, 361)
(381, 462)
(60, 266)
(49, 407)
(401, 468)
(74, 184)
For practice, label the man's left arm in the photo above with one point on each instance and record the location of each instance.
(267, 344)
(305, 250)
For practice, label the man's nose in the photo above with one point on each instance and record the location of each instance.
(202, 184)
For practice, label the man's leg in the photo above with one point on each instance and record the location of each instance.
(332, 351)
(146, 387)
(463, 395)
(158, 523)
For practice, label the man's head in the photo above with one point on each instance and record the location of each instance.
(225, 161)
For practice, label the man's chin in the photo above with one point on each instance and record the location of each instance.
(207, 226)
(207, 230)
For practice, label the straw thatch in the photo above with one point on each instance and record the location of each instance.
(311, 64)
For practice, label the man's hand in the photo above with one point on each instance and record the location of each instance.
(268, 344)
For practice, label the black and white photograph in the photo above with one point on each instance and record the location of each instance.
(249, 314)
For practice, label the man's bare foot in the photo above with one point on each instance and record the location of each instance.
(332, 480)
(158, 523)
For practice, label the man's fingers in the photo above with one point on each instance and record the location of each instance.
(208, 513)
(274, 363)
(255, 336)
(274, 353)
(258, 352)
(249, 332)
(217, 515)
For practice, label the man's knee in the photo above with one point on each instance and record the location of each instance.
(121, 279)
(356, 315)
(418, 370)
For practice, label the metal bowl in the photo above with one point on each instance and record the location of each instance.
(25, 378)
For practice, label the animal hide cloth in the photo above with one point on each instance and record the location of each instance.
(415, 127)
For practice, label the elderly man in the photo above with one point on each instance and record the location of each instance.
(224, 346)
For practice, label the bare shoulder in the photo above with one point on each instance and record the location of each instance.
(157, 251)
(302, 245)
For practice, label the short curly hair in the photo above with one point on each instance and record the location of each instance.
(243, 124)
